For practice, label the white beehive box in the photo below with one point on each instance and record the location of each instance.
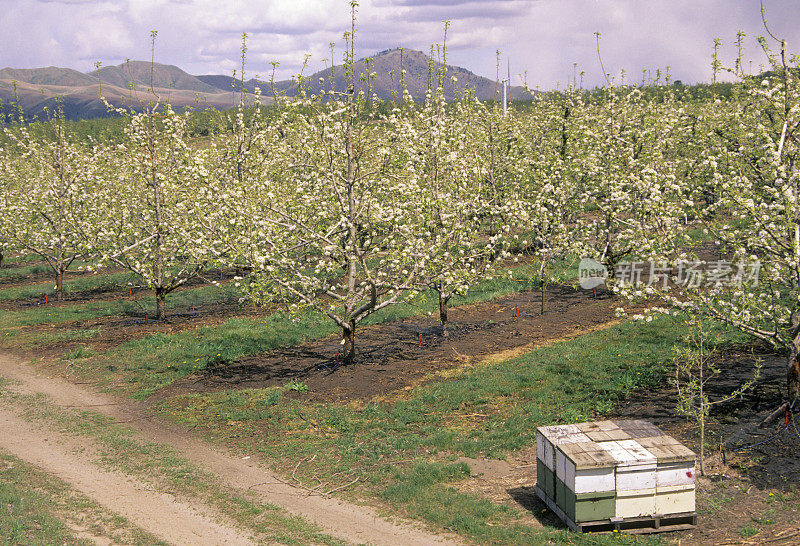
(588, 470)
(676, 463)
(614, 471)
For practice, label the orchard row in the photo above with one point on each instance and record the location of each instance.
(331, 202)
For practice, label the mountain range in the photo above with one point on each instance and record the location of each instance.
(39, 90)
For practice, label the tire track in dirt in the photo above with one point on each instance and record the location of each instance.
(159, 513)
(342, 519)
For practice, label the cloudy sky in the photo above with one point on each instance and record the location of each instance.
(542, 37)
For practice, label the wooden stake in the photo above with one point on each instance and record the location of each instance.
(192, 310)
(146, 319)
(45, 298)
(420, 339)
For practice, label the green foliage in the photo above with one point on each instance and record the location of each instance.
(297, 386)
(696, 364)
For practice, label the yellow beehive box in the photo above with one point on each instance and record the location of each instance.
(636, 503)
(675, 499)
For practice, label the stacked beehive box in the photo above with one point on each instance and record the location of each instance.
(623, 475)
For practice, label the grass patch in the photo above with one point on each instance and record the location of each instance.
(157, 360)
(21, 259)
(34, 507)
(203, 295)
(81, 351)
(749, 530)
(22, 339)
(86, 283)
(23, 271)
(53, 314)
(25, 516)
(65, 313)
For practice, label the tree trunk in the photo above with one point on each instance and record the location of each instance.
(543, 281)
(704, 411)
(443, 312)
(793, 378)
(544, 287)
(161, 296)
(349, 349)
(60, 285)
(702, 445)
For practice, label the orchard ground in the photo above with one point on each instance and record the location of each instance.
(438, 430)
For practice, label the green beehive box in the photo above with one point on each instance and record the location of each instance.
(561, 493)
(545, 479)
(589, 506)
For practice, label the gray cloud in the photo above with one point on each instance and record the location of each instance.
(447, 3)
(486, 11)
(72, 1)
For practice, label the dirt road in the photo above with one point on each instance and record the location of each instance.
(159, 513)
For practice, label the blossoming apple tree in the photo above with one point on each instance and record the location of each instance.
(334, 212)
(445, 148)
(155, 191)
(49, 182)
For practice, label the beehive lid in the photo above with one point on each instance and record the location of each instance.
(636, 449)
(563, 434)
(577, 438)
(619, 453)
(608, 435)
(586, 455)
(616, 443)
(584, 460)
(639, 429)
(672, 453)
(607, 425)
(595, 426)
(554, 432)
(656, 441)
